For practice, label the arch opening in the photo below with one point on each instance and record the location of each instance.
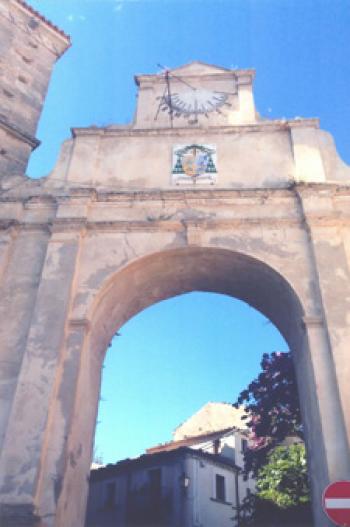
(170, 273)
(169, 361)
(163, 275)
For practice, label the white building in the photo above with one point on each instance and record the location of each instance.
(193, 481)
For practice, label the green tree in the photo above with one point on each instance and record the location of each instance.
(273, 414)
(284, 480)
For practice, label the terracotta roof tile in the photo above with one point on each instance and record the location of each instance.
(188, 441)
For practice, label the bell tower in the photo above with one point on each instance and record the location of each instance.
(29, 45)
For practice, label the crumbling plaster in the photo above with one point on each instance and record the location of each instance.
(117, 253)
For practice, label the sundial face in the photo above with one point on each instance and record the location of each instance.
(191, 103)
(189, 100)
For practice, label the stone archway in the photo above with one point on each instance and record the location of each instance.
(162, 275)
(136, 213)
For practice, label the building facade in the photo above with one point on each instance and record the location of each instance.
(178, 488)
(197, 194)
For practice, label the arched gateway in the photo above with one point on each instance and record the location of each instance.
(197, 194)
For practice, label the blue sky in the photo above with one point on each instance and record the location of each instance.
(177, 355)
(170, 360)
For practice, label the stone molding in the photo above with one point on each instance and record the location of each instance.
(217, 71)
(184, 194)
(77, 225)
(13, 130)
(312, 321)
(156, 221)
(260, 126)
(67, 225)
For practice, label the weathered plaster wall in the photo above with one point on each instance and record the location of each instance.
(122, 253)
(105, 256)
(123, 160)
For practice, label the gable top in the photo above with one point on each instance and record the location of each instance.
(198, 68)
(194, 440)
(211, 417)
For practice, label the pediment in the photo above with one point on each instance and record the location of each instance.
(198, 68)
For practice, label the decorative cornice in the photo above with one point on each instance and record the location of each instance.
(36, 202)
(190, 225)
(217, 71)
(12, 129)
(129, 195)
(260, 126)
(76, 225)
(334, 188)
(135, 226)
(103, 194)
(68, 225)
(188, 194)
(36, 227)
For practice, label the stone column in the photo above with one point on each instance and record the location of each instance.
(323, 422)
(327, 233)
(23, 255)
(321, 393)
(57, 458)
(71, 506)
(334, 279)
(24, 444)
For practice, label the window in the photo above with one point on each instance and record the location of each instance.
(220, 487)
(244, 445)
(110, 495)
(155, 483)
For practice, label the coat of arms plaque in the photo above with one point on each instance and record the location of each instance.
(194, 163)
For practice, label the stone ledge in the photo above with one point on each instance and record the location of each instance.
(169, 194)
(13, 130)
(77, 225)
(277, 125)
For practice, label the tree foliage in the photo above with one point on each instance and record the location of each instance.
(272, 405)
(284, 480)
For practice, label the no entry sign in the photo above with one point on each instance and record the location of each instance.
(336, 502)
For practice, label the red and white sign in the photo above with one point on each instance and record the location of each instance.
(336, 503)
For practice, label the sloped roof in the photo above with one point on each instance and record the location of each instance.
(213, 416)
(190, 441)
(198, 66)
(149, 460)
